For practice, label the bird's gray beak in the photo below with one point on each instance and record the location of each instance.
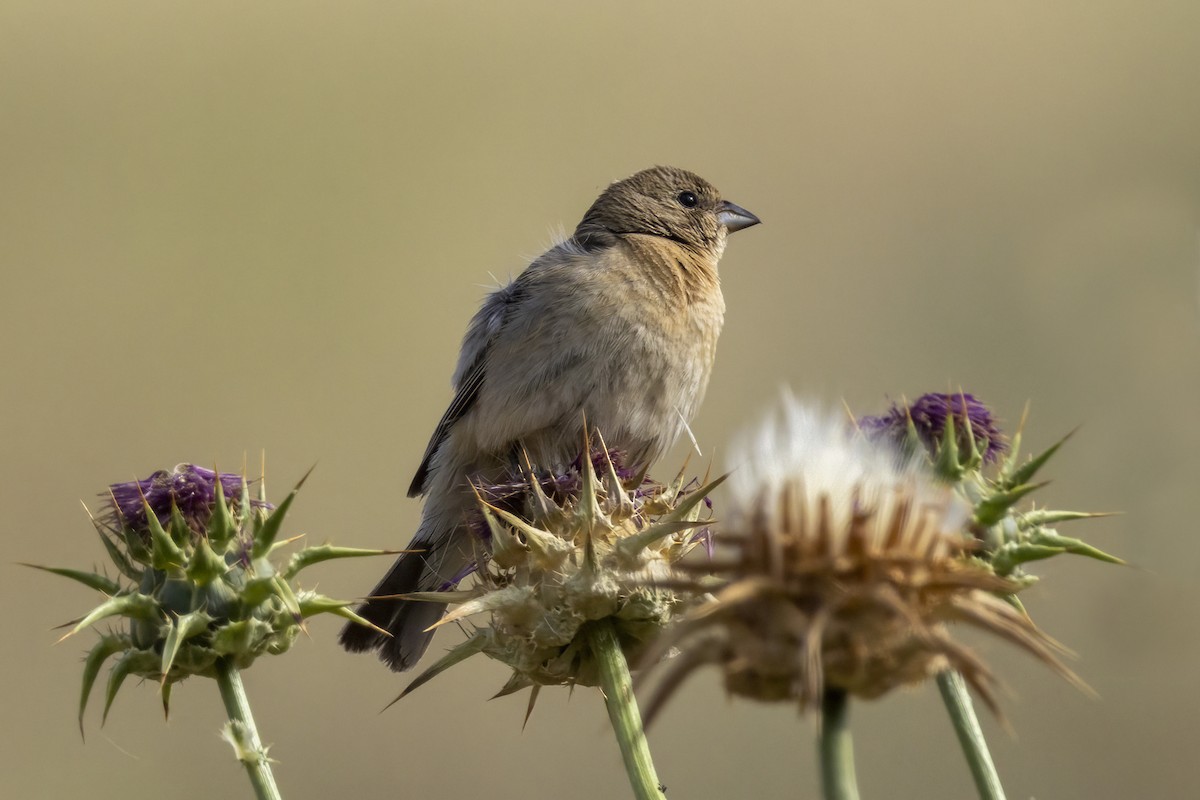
(734, 217)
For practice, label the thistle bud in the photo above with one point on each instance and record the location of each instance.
(194, 550)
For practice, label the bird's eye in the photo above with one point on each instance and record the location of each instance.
(687, 200)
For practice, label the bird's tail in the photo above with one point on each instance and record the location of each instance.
(405, 620)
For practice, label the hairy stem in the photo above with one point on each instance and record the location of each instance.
(242, 734)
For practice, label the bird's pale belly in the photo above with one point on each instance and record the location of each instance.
(640, 400)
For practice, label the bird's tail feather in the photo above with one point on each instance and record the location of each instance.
(405, 620)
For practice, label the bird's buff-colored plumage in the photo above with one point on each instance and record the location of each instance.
(617, 324)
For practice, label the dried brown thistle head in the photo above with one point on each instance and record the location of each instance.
(842, 566)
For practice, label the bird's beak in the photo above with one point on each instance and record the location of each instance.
(734, 217)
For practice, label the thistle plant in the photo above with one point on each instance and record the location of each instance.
(574, 573)
(199, 593)
(957, 436)
(845, 564)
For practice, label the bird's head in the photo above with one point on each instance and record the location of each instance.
(667, 202)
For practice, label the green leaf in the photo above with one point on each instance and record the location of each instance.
(92, 580)
(205, 565)
(264, 537)
(947, 464)
(104, 649)
(312, 604)
(116, 677)
(279, 544)
(1025, 473)
(134, 661)
(221, 527)
(348, 614)
(164, 553)
(283, 590)
(181, 534)
(1015, 602)
(121, 559)
(1043, 516)
(912, 437)
(244, 507)
(315, 555)
(256, 590)
(124, 564)
(1051, 538)
(181, 629)
(1011, 556)
(974, 457)
(1014, 451)
(993, 507)
(134, 605)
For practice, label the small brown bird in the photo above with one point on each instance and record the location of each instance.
(618, 324)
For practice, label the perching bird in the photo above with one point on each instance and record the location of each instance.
(618, 324)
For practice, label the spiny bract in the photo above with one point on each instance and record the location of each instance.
(561, 551)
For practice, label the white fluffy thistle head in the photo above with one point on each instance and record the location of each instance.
(804, 459)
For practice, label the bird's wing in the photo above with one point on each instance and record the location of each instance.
(470, 372)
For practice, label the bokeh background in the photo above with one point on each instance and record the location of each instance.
(234, 227)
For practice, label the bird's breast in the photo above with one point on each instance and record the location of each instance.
(657, 377)
(622, 343)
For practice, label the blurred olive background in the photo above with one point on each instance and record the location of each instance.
(234, 227)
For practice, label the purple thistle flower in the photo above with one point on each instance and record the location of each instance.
(511, 492)
(929, 414)
(191, 488)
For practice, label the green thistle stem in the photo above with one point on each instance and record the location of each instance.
(623, 710)
(243, 734)
(970, 735)
(837, 749)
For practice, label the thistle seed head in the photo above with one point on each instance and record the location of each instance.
(843, 565)
(595, 541)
